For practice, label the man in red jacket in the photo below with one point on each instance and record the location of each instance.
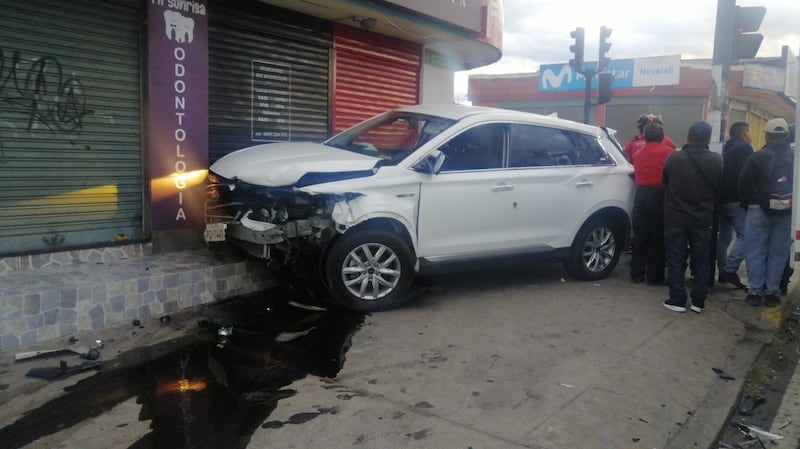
(648, 208)
(638, 142)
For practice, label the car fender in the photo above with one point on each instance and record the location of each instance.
(359, 209)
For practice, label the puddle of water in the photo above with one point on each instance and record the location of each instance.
(213, 388)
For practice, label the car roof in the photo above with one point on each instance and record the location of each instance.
(460, 112)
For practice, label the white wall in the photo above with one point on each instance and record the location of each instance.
(437, 85)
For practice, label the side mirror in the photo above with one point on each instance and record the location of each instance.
(432, 163)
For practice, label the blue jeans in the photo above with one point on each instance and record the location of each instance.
(767, 243)
(679, 244)
(731, 220)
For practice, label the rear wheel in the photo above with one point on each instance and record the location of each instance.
(369, 270)
(596, 249)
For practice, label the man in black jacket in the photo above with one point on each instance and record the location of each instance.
(731, 213)
(767, 235)
(692, 181)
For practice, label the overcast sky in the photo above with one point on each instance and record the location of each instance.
(537, 31)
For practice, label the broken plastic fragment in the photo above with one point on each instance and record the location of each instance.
(567, 385)
(754, 431)
(301, 305)
(283, 337)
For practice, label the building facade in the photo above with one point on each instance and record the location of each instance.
(758, 91)
(113, 110)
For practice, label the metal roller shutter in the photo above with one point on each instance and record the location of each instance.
(374, 73)
(70, 125)
(268, 77)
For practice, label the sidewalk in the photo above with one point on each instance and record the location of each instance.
(522, 361)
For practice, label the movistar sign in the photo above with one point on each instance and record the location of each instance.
(656, 71)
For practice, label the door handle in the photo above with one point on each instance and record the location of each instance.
(502, 188)
(584, 183)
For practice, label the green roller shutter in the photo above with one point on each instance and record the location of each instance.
(70, 124)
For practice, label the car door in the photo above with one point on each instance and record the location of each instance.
(468, 207)
(563, 176)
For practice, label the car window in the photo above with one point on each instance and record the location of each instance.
(477, 148)
(540, 146)
(391, 136)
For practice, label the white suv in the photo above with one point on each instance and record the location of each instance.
(427, 187)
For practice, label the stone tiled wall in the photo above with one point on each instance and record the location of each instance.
(59, 299)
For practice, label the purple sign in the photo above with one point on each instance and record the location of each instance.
(177, 111)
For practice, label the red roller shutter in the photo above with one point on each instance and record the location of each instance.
(373, 73)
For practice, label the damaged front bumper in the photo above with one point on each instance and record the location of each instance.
(267, 222)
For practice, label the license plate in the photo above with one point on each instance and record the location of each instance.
(215, 232)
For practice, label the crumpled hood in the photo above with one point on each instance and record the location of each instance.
(282, 164)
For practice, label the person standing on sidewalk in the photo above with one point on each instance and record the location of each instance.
(731, 213)
(765, 185)
(638, 141)
(648, 208)
(692, 180)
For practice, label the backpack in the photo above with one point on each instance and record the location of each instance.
(780, 183)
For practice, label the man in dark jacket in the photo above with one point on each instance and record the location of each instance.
(767, 235)
(692, 181)
(731, 213)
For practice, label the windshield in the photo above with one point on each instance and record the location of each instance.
(392, 136)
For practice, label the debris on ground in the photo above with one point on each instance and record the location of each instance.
(722, 374)
(62, 370)
(749, 404)
(755, 432)
(82, 351)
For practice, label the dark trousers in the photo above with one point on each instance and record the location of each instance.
(696, 244)
(647, 260)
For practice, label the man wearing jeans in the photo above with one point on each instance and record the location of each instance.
(692, 178)
(767, 235)
(731, 213)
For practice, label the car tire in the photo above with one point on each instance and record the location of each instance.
(596, 249)
(362, 283)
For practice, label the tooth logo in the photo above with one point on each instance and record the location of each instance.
(182, 28)
(551, 80)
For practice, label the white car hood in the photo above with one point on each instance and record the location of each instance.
(282, 164)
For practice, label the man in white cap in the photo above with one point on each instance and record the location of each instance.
(765, 186)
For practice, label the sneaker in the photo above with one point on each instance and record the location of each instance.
(696, 309)
(732, 278)
(772, 300)
(753, 300)
(675, 305)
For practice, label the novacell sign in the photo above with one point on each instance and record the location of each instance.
(655, 71)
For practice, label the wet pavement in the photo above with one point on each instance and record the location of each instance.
(210, 388)
(499, 359)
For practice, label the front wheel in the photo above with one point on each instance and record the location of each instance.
(369, 270)
(596, 249)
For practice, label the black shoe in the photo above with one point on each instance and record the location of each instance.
(637, 279)
(656, 282)
(772, 300)
(675, 305)
(731, 278)
(753, 300)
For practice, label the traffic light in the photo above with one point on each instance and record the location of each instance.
(603, 60)
(577, 49)
(604, 91)
(746, 41)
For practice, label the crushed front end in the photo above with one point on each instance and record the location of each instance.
(273, 223)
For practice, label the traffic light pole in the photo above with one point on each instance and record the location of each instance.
(720, 72)
(587, 94)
